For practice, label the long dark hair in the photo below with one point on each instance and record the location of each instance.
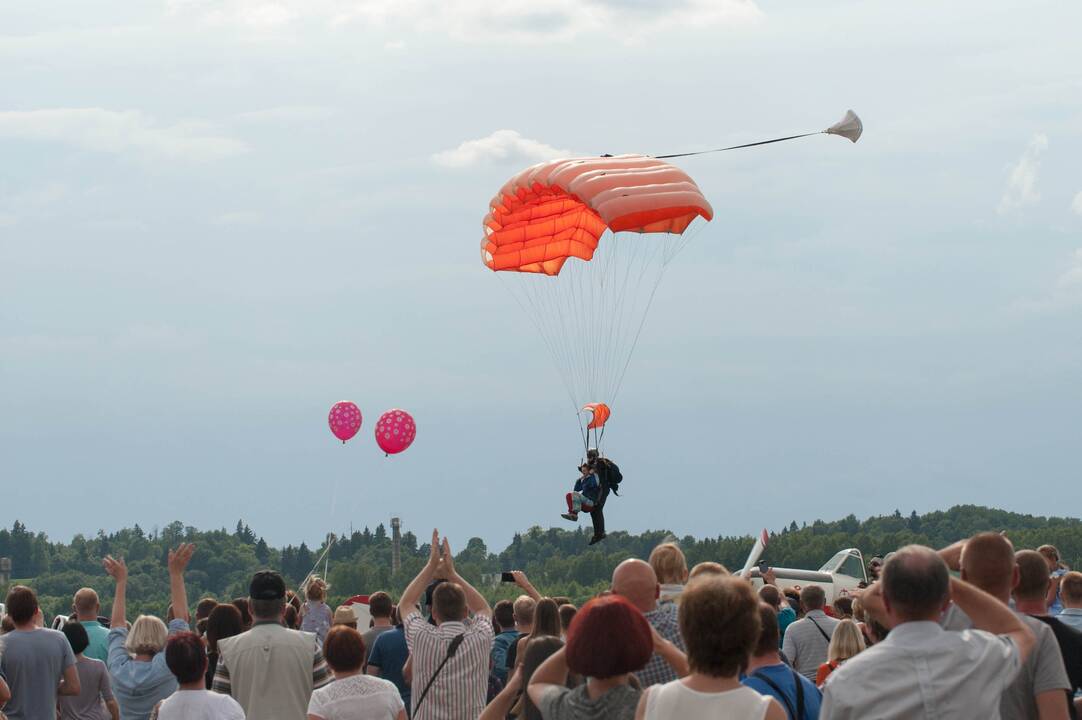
(223, 622)
(538, 650)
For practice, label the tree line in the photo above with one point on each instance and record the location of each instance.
(558, 561)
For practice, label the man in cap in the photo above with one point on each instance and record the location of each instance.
(270, 670)
(875, 565)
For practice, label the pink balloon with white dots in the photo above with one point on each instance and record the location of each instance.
(395, 431)
(344, 420)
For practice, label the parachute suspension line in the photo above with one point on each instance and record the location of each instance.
(590, 316)
(678, 245)
(738, 147)
(537, 313)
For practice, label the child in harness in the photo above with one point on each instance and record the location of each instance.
(584, 496)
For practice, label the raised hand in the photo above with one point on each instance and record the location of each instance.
(179, 558)
(434, 550)
(523, 582)
(448, 560)
(872, 599)
(118, 569)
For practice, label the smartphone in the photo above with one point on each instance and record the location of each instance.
(507, 577)
(763, 567)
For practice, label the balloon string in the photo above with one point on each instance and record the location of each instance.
(736, 147)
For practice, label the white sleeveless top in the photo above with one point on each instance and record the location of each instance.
(676, 700)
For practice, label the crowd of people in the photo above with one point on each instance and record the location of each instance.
(975, 630)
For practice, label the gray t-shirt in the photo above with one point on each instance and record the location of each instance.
(33, 662)
(1042, 671)
(370, 636)
(559, 703)
(94, 690)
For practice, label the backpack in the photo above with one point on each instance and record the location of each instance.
(610, 474)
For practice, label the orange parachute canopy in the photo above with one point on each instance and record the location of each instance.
(557, 210)
(600, 412)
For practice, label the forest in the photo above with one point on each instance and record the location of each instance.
(559, 562)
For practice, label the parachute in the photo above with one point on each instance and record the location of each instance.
(584, 243)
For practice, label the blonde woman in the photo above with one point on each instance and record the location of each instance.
(846, 642)
(708, 568)
(671, 568)
(136, 662)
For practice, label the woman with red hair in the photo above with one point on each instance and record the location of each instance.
(607, 641)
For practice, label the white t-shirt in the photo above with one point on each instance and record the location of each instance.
(198, 705)
(676, 700)
(358, 697)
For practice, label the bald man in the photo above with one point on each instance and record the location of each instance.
(636, 581)
(1040, 690)
(86, 607)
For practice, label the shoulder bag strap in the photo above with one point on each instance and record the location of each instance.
(821, 630)
(799, 694)
(451, 650)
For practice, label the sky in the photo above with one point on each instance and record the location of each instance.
(219, 217)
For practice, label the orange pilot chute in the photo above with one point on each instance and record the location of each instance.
(599, 415)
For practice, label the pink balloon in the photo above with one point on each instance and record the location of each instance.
(345, 420)
(395, 431)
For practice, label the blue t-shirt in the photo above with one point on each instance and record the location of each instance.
(1057, 604)
(32, 663)
(786, 617)
(500, 645)
(588, 486)
(98, 649)
(389, 654)
(785, 678)
(137, 685)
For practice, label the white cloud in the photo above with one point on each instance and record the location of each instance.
(502, 146)
(1022, 183)
(123, 132)
(1077, 204)
(478, 20)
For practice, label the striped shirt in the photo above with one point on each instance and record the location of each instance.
(664, 620)
(459, 692)
(807, 642)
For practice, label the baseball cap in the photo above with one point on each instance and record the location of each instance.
(267, 585)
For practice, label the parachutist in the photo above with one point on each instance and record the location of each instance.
(584, 496)
(609, 478)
